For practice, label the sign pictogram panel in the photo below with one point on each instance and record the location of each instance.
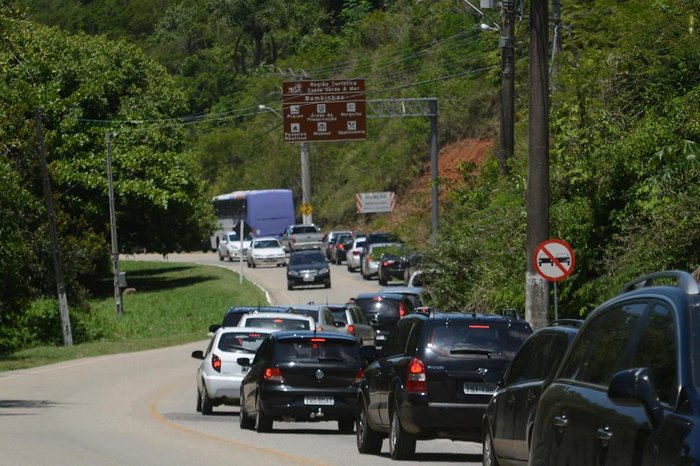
(554, 260)
(325, 110)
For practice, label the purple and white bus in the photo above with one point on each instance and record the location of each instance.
(264, 212)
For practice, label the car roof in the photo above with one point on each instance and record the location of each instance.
(249, 309)
(306, 307)
(402, 289)
(446, 316)
(243, 329)
(309, 334)
(379, 295)
(266, 238)
(307, 252)
(281, 315)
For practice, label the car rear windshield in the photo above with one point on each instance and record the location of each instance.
(236, 341)
(339, 315)
(317, 349)
(385, 307)
(277, 323)
(468, 339)
(306, 229)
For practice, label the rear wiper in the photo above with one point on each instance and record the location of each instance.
(486, 353)
(243, 348)
(330, 359)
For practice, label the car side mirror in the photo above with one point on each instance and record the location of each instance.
(214, 327)
(243, 362)
(637, 385)
(199, 354)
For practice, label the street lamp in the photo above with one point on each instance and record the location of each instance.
(307, 217)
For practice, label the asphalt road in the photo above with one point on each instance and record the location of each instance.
(139, 408)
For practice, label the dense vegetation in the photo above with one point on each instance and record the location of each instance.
(624, 133)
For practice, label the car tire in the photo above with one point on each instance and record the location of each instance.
(244, 420)
(207, 403)
(199, 401)
(382, 281)
(351, 269)
(290, 287)
(489, 458)
(327, 285)
(346, 425)
(263, 422)
(252, 263)
(221, 258)
(368, 440)
(402, 445)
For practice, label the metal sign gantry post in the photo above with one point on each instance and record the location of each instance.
(412, 108)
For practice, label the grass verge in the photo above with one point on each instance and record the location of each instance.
(173, 303)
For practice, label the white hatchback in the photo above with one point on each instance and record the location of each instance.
(276, 321)
(354, 254)
(266, 251)
(219, 375)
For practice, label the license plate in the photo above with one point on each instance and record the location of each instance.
(479, 388)
(308, 278)
(319, 400)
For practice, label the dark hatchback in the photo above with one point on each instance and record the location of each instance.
(628, 389)
(302, 376)
(392, 267)
(308, 268)
(382, 311)
(434, 378)
(234, 314)
(510, 415)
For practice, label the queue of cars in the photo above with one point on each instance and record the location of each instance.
(620, 388)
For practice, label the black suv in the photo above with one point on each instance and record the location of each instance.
(383, 310)
(510, 415)
(628, 389)
(301, 376)
(434, 378)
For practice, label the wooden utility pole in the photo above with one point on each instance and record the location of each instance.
(507, 46)
(113, 223)
(55, 252)
(536, 288)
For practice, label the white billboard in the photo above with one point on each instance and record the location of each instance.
(371, 203)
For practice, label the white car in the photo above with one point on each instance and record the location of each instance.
(353, 257)
(277, 321)
(230, 246)
(219, 375)
(266, 251)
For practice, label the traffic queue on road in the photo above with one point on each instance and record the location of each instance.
(621, 387)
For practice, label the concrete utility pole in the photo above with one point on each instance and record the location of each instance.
(536, 288)
(113, 223)
(306, 184)
(556, 44)
(55, 251)
(507, 45)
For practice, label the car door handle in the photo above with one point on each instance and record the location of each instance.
(604, 434)
(561, 421)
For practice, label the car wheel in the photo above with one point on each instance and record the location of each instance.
(252, 263)
(346, 425)
(350, 268)
(230, 258)
(221, 257)
(382, 281)
(368, 441)
(199, 401)
(244, 420)
(402, 445)
(489, 458)
(290, 287)
(327, 285)
(207, 403)
(263, 422)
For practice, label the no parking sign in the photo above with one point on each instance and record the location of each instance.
(554, 260)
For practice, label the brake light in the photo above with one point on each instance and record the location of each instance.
(341, 247)
(359, 376)
(416, 380)
(253, 335)
(216, 363)
(402, 310)
(377, 298)
(278, 321)
(318, 340)
(356, 253)
(351, 329)
(386, 264)
(479, 326)
(273, 374)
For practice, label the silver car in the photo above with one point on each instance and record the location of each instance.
(350, 318)
(354, 254)
(369, 265)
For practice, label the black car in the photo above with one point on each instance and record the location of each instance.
(341, 245)
(302, 376)
(392, 266)
(233, 314)
(383, 310)
(308, 268)
(433, 379)
(510, 415)
(628, 389)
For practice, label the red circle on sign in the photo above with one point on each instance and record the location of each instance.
(554, 260)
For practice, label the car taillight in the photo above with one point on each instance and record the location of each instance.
(294, 238)
(341, 247)
(351, 329)
(416, 381)
(273, 374)
(359, 376)
(386, 263)
(402, 310)
(356, 253)
(216, 363)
